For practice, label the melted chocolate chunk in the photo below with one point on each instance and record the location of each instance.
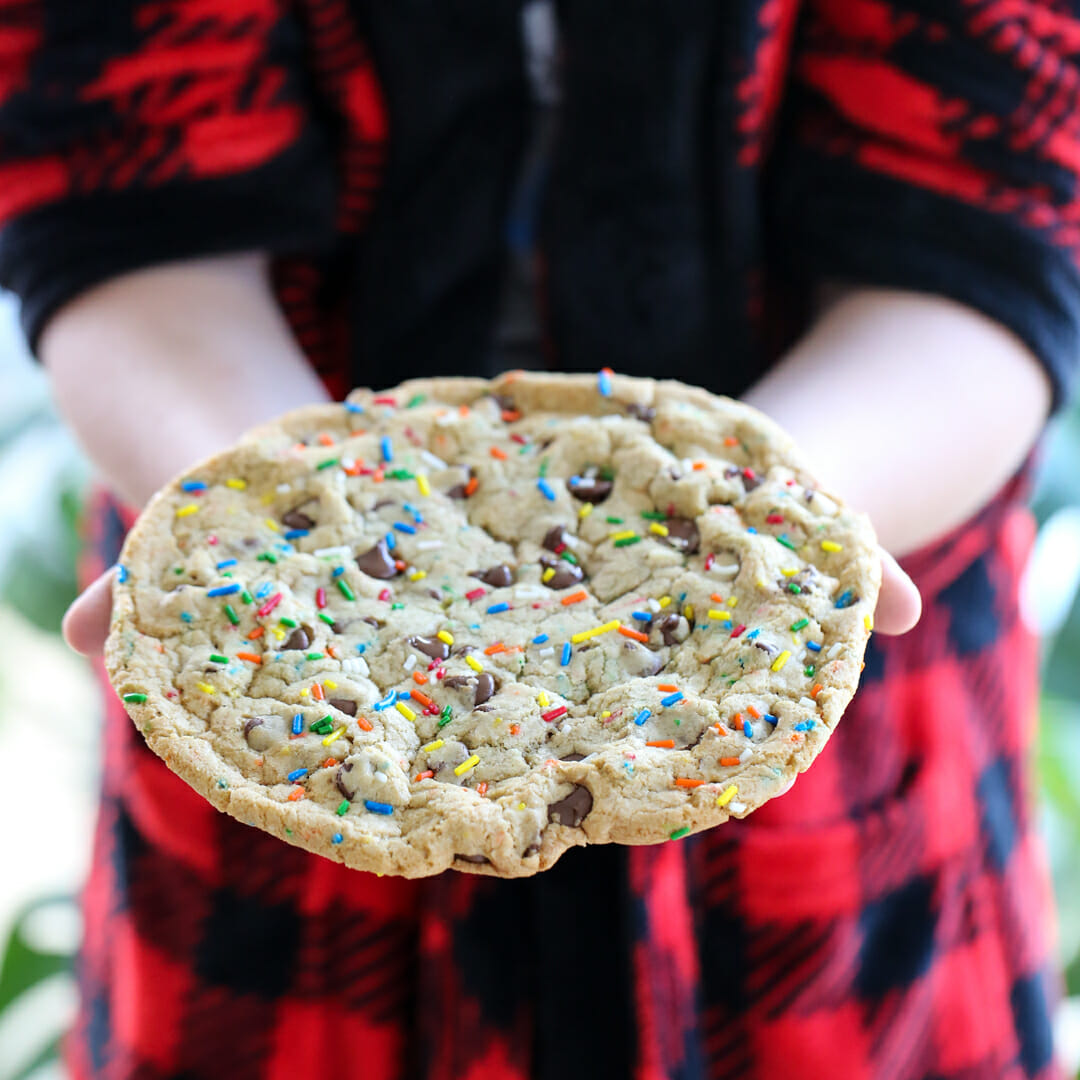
(456, 492)
(339, 780)
(300, 638)
(434, 647)
(473, 858)
(532, 849)
(338, 628)
(641, 412)
(591, 489)
(639, 661)
(683, 535)
(377, 562)
(573, 809)
(372, 621)
(566, 574)
(261, 732)
(573, 757)
(254, 722)
(497, 576)
(750, 479)
(555, 537)
(669, 626)
(343, 705)
(435, 594)
(766, 648)
(485, 687)
(383, 502)
(296, 520)
(455, 682)
(504, 401)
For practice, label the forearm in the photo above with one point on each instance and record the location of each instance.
(160, 368)
(913, 408)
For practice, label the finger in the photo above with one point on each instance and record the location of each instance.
(899, 603)
(86, 623)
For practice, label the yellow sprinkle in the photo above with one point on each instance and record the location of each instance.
(469, 763)
(728, 794)
(584, 635)
(781, 660)
(271, 524)
(665, 600)
(714, 614)
(445, 637)
(585, 511)
(474, 663)
(417, 575)
(549, 573)
(405, 710)
(522, 806)
(422, 484)
(760, 584)
(660, 530)
(623, 534)
(432, 746)
(185, 510)
(606, 713)
(498, 719)
(787, 572)
(333, 736)
(542, 698)
(206, 688)
(236, 484)
(732, 601)
(267, 498)
(868, 622)
(305, 692)
(329, 684)
(688, 612)
(831, 545)
(280, 633)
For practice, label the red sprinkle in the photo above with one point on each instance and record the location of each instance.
(320, 598)
(709, 560)
(269, 605)
(385, 594)
(211, 540)
(384, 401)
(749, 474)
(475, 594)
(519, 439)
(553, 714)
(738, 630)
(775, 519)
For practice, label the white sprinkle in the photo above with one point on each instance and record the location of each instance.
(833, 651)
(530, 592)
(347, 462)
(381, 776)
(410, 663)
(725, 569)
(746, 755)
(808, 703)
(332, 552)
(571, 541)
(355, 665)
(687, 464)
(546, 652)
(429, 545)
(653, 604)
(432, 460)
(282, 489)
(737, 807)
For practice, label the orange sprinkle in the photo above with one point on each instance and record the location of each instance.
(637, 635)
(515, 729)
(736, 722)
(299, 446)
(296, 793)
(718, 729)
(256, 633)
(685, 781)
(716, 598)
(463, 410)
(330, 651)
(497, 452)
(574, 598)
(250, 657)
(400, 564)
(354, 468)
(665, 744)
(422, 698)
(330, 762)
(363, 723)
(472, 485)
(698, 466)
(427, 774)
(498, 647)
(259, 762)
(730, 440)
(728, 762)
(816, 690)
(358, 432)
(377, 476)
(668, 688)
(326, 440)
(510, 415)
(419, 678)
(753, 712)
(317, 692)
(481, 788)
(797, 737)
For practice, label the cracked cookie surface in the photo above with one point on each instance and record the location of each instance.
(471, 624)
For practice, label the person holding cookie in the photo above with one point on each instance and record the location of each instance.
(856, 215)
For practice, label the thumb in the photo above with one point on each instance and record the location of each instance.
(86, 623)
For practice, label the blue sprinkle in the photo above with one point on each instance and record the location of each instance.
(540, 639)
(122, 573)
(386, 702)
(642, 717)
(338, 571)
(813, 646)
(603, 383)
(337, 838)
(186, 616)
(641, 616)
(351, 406)
(753, 634)
(727, 624)
(672, 699)
(360, 648)
(391, 542)
(496, 608)
(546, 489)
(401, 695)
(294, 534)
(416, 515)
(405, 527)
(264, 590)
(752, 530)
(682, 597)
(193, 485)
(747, 730)
(844, 600)
(378, 807)
(223, 590)
(287, 548)
(296, 774)
(387, 448)
(298, 723)
(770, 719)
(566, 653)
(804, 725)
(224, 562)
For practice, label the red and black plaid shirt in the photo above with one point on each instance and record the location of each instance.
(890, 917)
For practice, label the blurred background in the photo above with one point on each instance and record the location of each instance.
(42, 477)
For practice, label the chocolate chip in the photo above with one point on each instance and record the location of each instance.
(639, 661)
(372, 621)
(573, 757)
(750, 479)
(455, 682)
(497, 576)
(555, 538)
(673, 628)
(504, 401)
(434, 647)
(591, 489)
(456, 492)
(683, 535)
(254, 722)
(766, 648)
(300, 638)
(434, 594)
(473, 858)
(383, 502)
(261, 732)
(641, 412)
(485, 687)
(339, 780)
(566, 574)
(343, 705)
(532, 849)
(376, 562)
(573, 809)
(296, 520)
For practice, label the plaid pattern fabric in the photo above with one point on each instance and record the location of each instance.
(888, 919)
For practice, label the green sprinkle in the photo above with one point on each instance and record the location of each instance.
(544, 467)
(800, 624)
(416, 399)
(607, 473)
(178, 569)
(246, 596)
(678, 834)
(135, 699)
(228, 574)
(346, 589)
(217, 658)
(627, 541)
(614, 520)
(399, 474)
(328, 619)
(444, 716)
(323, 726)
(288, 831)
(343, 807)
(808, 672)
(231, 615)
(653, 515)
(286, 621)
(224, 784)
(314, 656)
(795, 588)
(396, 607)
(569, 556)
(267, 556)
(328, 464)
(786, 542)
